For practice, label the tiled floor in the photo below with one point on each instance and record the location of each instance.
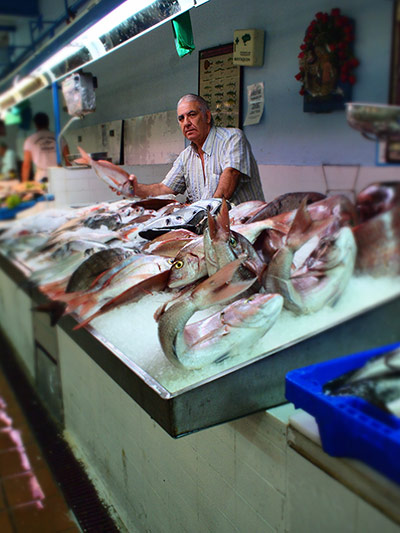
(30, 499)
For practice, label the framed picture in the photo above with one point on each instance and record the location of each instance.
(327, 62)
(220, 84)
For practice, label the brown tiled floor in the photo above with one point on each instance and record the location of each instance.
(30, 499)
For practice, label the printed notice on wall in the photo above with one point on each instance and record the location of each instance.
(255, 98)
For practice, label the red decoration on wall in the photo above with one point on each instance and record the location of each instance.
(327, 62)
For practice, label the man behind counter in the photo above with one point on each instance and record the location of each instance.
(217, 163)
(40, 149)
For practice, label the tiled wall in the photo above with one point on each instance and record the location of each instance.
(16, 322)
(236, 477)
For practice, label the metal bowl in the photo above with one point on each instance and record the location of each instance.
(374, 121)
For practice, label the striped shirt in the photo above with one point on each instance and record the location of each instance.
(223, 148)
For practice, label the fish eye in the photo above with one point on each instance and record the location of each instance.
(233, 242)
(178, 264)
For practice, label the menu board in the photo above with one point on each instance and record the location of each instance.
(220, 85)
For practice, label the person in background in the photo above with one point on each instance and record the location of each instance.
(9, 166)
(40, 149)
(217, 163)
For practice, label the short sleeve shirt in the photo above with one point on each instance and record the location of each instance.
(42, 146)
(223, 148)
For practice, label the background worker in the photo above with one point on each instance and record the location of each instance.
(40, 149)
(217, 163)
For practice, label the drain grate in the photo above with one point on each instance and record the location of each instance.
(79, 493)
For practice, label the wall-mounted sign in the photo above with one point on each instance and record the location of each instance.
(220, 85)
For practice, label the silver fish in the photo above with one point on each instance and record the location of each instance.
(111, 174)
(377, 381)
(192, 217)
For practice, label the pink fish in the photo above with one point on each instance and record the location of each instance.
(111, 174)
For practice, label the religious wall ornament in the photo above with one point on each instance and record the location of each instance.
(327, 62)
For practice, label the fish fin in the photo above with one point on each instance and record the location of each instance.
(54, 309)
(301, 223)
(222, 222)
(133, 294)
(81, 299)
(211, 226)
(303, 228)
(219, 287)
(85, 159)
(160, 311)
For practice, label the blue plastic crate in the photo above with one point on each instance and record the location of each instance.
(349, 426)
(9, 214)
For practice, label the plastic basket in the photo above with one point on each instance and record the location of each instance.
(349, 426)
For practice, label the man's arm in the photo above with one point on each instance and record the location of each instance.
(26, 166)
(227, 184)
(153, 189)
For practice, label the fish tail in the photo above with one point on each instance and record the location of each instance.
(54, 309)
(83, 299)
(222, 221)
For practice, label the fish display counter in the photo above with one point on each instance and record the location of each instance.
(127, 344)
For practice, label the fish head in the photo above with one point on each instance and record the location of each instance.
(127, 189)
(188, 265)
(221, 245)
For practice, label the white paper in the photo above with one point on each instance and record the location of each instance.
(255, 98)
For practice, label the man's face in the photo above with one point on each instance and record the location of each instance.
(194, 124)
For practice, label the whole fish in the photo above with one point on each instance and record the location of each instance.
(286, 202)
(241, 213)
(218, 288)
(157, 282)
(169, 244)
(325, 277)
(83, 277)
(111, 174)
(192, 217)
(377, 381)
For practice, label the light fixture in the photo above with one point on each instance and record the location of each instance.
(131, 19)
